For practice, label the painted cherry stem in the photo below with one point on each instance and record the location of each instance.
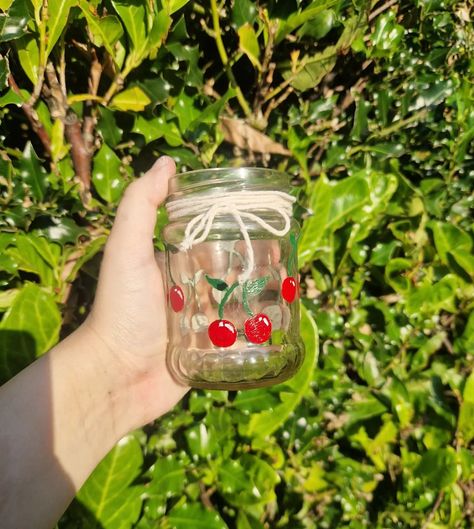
(226, 297)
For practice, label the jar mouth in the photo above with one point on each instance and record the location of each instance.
(244, 177)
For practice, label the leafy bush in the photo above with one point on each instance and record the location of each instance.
(369, 105)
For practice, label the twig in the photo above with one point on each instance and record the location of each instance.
(60, 110)
(436, 505)
(274, 103)
(381, 9)
(225, 59)
(32, 116)
(90, 119)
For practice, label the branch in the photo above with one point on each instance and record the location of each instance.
(381, 9)
(59, 108)
(32, 116)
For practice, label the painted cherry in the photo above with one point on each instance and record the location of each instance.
(288, 289)
(176, 297)
(222, 333)
(258, 328)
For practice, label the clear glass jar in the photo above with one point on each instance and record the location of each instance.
(223, 332)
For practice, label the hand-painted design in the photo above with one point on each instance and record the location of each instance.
(258, 328)
(288, 289)
(199, 322)
(176, 298)
(222, 333)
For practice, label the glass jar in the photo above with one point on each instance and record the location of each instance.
(233, 308)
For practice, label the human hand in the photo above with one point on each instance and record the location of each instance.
(127, 324)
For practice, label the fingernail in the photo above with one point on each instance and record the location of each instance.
(162, 160)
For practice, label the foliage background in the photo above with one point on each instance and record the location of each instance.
(369, 105)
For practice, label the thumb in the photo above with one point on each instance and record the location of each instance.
(136, 215)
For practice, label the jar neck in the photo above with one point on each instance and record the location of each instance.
(215, 181)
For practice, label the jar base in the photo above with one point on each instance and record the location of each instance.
(228, 369)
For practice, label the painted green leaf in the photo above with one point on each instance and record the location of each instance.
(106, 176)
(253, 287)
(105, 31)
(266, 422)
(217, 283)
(29, 328)
(133, 99)
(32, 173)
(168, 476)
(194, 516)
(132, 14)
(58, 13)
(248, 43)
(108, 494)
(437, 468)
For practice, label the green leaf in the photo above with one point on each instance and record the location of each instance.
(132, 14)
(253, 287)
(466, 411)
(168, 476)
(387, 35)
(133, 99)
(59, 148)
(194, 516)
(35, 255)
(185, 111)
(4, 72)
(243, 12)
(248, 43)
(62, 230)
(216, 283)
(291, 392)
(437, 468)
(15, 24)
(312, 69)
(32, 173)
(448, 237)
(108, 128)
(315, 226)
(159, 31)
(58, 12)
(11, 98)
(106, 176)
(105, 31)
(172, 6)
(319, 26)
(29, 328)
(28, 53)
(108, 494)
(360, 126)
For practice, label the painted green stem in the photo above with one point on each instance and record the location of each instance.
(226, 297)
(245, 301)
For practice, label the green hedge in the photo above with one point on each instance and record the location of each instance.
(369, 105)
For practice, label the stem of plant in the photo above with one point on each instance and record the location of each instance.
(225, 299)
(225, 59)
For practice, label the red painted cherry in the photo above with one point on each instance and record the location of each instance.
(258, 328)
(176, 297)
(222, 333)
(288, 289)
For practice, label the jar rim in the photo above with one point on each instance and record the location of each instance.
(193, 180)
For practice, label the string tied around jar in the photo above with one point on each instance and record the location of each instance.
(242, 205)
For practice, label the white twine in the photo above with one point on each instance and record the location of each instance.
(239, 204)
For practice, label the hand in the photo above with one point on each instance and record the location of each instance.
(128, 319)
